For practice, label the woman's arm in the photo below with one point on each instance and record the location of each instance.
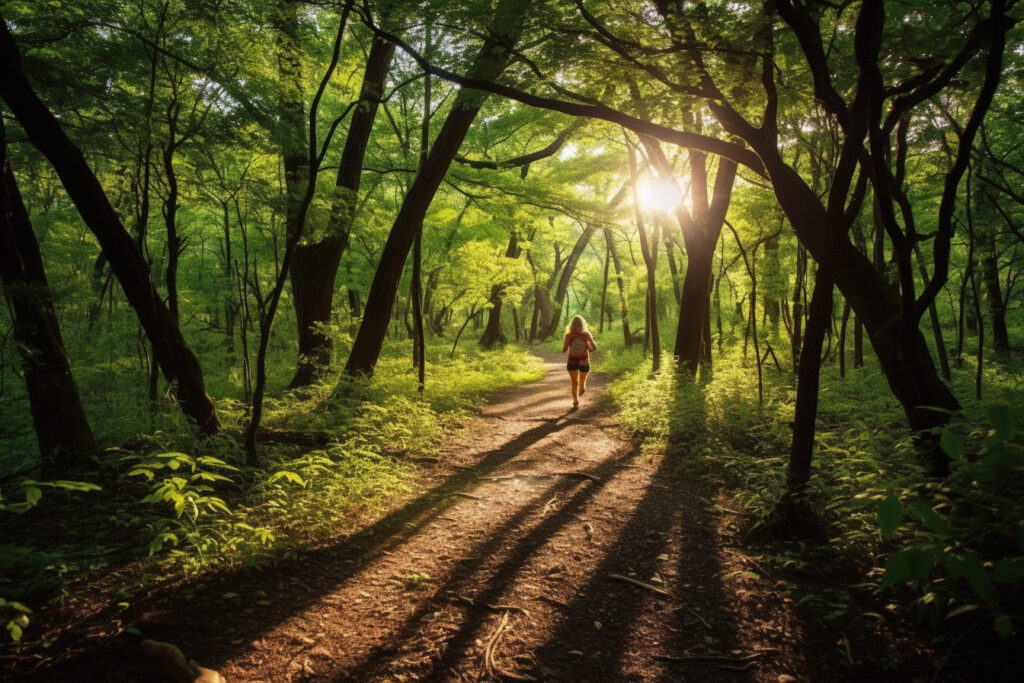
(565, 344)
(592, 343)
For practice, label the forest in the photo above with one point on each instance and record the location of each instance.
(282, 379)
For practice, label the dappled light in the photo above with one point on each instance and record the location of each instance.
(539, 341)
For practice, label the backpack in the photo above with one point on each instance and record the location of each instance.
(578, 346)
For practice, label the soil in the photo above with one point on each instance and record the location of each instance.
(544, 544)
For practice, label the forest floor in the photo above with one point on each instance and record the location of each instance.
(513, 558)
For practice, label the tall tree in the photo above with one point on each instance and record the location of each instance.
(315, 264)
(177, 361)
(490, 61)
(61, 426)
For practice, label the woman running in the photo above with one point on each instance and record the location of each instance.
(579, 343)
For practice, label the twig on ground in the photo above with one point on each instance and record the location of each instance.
(547, 505)
(553, 601)
(496, 608)
(460, 494)
(696, 614)
(641, 584)
(727, 659)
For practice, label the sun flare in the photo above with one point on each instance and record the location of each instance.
(658, 194)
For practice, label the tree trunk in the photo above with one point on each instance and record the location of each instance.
(315, 265)
(808, 377)
(627, 338)
(603, 310)
(557, 303)
(61, 426)
(488, 65)
(897, 340)
(993, 289)
(178, 363)
(493, 333)
(700, 230)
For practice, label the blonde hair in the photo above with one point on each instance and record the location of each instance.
(577, 325)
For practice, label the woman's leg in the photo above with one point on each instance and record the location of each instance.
(583, 382)
(574, 375)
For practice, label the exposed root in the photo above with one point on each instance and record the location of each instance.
(491, 666)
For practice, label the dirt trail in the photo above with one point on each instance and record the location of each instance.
(500, 566)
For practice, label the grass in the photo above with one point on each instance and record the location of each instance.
(335, 456)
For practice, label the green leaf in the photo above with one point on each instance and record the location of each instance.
(912, 564)
(970, 567)
(14, 630)
(962, 609)
(889, 515)
(285, 474)
(1010, 570)
(952, 445)
(1003, 625)
(1003, 420)
(932, 519)
(33, 494)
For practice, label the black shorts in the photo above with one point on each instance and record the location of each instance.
(581, 364)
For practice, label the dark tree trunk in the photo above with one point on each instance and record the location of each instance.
(993, 289)
(700, 231)
(178, 363)
(807, 383)
(842, 339)
(797, 337)
(603, 311)
(61, 426)
(488, 65)
(627, 338)
(315, 265)
(493, 333)
(898, 342)
(673, 267)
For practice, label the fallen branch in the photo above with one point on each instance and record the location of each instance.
(582, 475)
(460, 494)
(641, 584)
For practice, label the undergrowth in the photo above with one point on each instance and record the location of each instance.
(947, 554)
(332, 457)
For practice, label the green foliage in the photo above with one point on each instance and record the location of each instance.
(969, 527)
(16, 616)
(185, 485)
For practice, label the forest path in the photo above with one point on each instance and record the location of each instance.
(500, 566)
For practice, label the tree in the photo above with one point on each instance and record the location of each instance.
(179, 365)
(61, 426)
(488, 65)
